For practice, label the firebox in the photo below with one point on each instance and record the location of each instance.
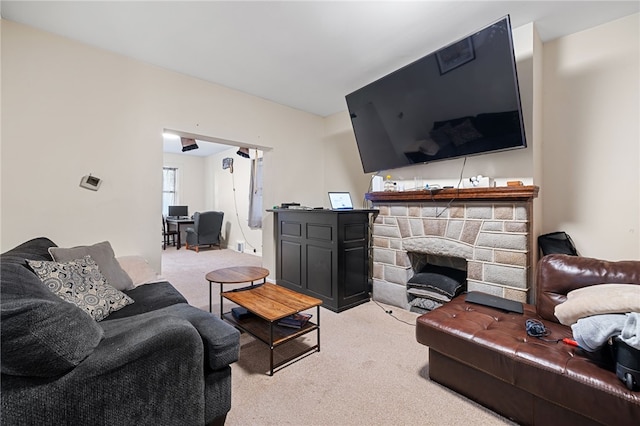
(436, 280)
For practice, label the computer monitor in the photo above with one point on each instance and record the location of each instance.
(178, 211)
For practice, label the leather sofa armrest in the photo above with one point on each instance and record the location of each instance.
(558, 274)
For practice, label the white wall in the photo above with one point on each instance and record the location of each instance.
(591, 159)
(343, 171)
(190, 180)
(231, 195)
(69, 109)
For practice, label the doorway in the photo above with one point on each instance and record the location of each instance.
(219, 175)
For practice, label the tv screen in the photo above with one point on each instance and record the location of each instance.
(460, 100)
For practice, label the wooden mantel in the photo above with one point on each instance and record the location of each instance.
(496, 193)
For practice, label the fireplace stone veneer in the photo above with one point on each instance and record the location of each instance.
(488, 227)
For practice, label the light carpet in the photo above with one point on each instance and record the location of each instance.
(370, 369)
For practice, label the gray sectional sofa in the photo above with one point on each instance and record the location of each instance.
(157, 361)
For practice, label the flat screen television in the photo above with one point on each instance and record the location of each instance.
(458, 101)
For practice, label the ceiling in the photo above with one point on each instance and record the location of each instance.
(304, 54)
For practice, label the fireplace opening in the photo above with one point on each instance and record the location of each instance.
(436, 280)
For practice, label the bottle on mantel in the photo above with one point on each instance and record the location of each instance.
(389, 185)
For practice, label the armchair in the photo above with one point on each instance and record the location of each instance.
(206, 230)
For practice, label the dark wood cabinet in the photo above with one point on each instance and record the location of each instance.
(324, 254)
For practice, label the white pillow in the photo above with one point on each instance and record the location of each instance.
(138, 270)
(598, 299)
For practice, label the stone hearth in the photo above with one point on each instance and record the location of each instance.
(489, 227)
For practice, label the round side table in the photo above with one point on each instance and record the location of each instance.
(234, 275)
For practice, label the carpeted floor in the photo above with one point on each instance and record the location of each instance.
(370, 370)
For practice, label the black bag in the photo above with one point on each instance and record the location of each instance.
(557, 242)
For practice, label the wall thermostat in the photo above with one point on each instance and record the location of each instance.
(90, 182)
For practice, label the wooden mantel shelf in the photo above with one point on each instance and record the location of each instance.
(496, 193)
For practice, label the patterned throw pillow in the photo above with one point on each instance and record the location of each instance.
(81, 283)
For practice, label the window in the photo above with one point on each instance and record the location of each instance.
(169, 188)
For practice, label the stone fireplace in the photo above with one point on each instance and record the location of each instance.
(490, 228)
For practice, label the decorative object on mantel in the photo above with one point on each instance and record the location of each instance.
(389, 185)
(479, 182)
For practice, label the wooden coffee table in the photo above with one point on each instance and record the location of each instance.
(269, 303)
(234, 275)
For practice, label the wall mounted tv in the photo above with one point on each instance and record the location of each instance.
(460, 100)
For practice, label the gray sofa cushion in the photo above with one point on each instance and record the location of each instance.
(35, 249)
(221, 340)
(57, 335)
(147, 371)
(102, 253)
(149, 297)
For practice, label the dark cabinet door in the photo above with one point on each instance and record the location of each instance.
(324, 254)
(289, 254)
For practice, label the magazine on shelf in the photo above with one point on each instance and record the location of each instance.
(297, 320)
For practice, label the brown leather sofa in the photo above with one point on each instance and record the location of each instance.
(486, 354)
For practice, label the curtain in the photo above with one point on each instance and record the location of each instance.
(255, 195)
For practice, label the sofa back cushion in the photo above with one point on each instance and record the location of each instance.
(102, 253)
(558, 274)
(42, 335)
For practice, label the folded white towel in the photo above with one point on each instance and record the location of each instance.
(592, 332)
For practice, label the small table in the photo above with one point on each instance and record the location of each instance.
(178, 223)
(234, 275)
(269, 303)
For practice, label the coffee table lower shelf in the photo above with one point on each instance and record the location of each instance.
(274, 335)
